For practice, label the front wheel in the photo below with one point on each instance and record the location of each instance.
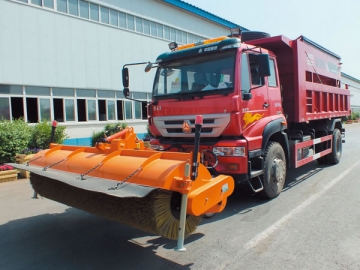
(335, 155)
(274, 175)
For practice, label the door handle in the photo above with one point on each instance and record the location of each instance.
(266, 105)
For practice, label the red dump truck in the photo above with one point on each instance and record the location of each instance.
(268, 104)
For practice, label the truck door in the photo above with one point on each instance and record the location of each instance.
(255, 98)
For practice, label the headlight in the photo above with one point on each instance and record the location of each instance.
(157, 147)
(229, 151)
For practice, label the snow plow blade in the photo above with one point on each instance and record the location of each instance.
(141, 188)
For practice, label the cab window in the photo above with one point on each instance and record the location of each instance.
(245, 75)
(256, 80)
(272, 78)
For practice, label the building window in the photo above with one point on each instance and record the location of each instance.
(128, 110)
(17, 107)
(62, 6)
(190, 38)
(113, 17)
(32, 110)
(106, 94)
(153, 29)
(172, 34)
(65, 92)
(58, 109)
(36, 2)
(37, 90)
(5, 108)
(49, 3)
(102, 110)
(84, 9)
(160, 32)
(69, 110)
(122, 20)
(130, 22)
(167, 32)
(139, 25)
(184, 37)
(45, 109)
(69, 104)
(94, 12)
(120, 109)
(85, 93)
(139, 95)
(104, 15)
(73, 7)
(91, 110)
(138, 114)
(10, 89)
(178, 36)
(146, 27)
(111, 109)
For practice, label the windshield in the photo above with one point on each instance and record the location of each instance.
(202, 75)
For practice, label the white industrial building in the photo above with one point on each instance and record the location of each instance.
(62, 59)
(353, 85)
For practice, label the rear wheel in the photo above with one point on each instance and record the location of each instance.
(274, 170)
(335, 156)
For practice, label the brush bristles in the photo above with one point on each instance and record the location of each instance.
(151, 213)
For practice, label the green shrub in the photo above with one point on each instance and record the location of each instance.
(109, 129)
(41, 135)
(15, 136)
(355, 115)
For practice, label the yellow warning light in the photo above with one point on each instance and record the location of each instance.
(204, 42)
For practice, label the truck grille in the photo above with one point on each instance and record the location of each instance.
(171, 126)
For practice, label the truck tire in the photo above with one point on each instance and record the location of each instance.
(274, 175)
(250, 35)
(335, 156)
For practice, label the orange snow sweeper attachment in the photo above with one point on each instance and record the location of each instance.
(164, 193)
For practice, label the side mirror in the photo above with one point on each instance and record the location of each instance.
(126, 92)
(264, 65)
(125, 78)
(247, 96)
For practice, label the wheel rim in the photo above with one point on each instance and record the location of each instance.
(337, 146)
(278, 170)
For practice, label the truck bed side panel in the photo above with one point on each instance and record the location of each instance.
(310, 79)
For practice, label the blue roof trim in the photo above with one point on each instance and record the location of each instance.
(202, 13)
(350, 77)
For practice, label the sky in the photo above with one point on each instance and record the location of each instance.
(333, 24)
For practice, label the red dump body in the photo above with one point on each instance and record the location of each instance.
(310, 78)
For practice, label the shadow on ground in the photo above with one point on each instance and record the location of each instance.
(78, 240)
(244, 201)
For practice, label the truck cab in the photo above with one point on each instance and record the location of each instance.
(233, 85)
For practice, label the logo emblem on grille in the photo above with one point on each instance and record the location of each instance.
(186, 127)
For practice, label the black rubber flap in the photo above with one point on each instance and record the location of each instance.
(90, 183)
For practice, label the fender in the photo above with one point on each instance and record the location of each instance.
(276, 128)
(333, 124)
